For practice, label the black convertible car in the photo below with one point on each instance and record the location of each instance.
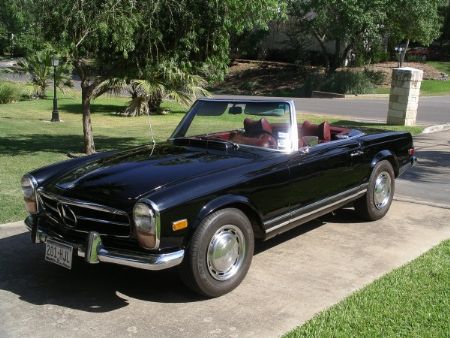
(233, 171)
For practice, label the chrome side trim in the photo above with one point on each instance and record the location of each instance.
(361, 190)
(83, 204)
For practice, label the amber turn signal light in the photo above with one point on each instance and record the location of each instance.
(179, 225)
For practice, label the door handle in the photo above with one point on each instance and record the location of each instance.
(357, 153)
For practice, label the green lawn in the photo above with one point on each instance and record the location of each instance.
(435, 87)
(412, 301)
(428, 88)
(28, 140)
(442, 66)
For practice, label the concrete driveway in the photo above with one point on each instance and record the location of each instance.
(429, 181)
(292, 277)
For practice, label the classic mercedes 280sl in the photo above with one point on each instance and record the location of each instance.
(233, 171)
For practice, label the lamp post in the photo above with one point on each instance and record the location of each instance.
(55, 112)
(399, 50)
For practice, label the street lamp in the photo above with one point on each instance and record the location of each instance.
(399, 50)
(55, 112)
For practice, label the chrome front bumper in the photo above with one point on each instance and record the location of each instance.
(94, 252)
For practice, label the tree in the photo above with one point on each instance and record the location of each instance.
(346, 23)
(38, 66)
(446, 25)
(415, 20)
(16, 26)
(96, 36)
(164, 80)
(108, 39)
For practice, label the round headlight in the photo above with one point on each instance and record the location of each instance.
(28, 187)
(146, 225)
(143, 217)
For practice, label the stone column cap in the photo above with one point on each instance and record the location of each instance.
(407, 74)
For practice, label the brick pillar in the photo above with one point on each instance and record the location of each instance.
(404, 97)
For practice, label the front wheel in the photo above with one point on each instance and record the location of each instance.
(380, 192)
(219, 254)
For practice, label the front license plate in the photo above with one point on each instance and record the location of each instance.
(58, 253)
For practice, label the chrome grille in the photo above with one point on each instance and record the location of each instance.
(82, 216)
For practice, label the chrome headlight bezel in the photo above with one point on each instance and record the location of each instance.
(147, 224)
(29, 187)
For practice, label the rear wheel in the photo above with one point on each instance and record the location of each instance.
(380, 192)
(219, 254)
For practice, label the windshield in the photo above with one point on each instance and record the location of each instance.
(258, 124)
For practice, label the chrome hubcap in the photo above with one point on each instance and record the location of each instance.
(382, 191)
(226, 252)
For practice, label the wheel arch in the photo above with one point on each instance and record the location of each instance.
(388, 156)
(233, 201)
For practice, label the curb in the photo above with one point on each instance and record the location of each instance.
(436, 128)
(366, 96)
(13, 224)
(400, 198)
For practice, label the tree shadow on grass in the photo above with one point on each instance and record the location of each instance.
(75, 108)
(26, 144)
(110, 109)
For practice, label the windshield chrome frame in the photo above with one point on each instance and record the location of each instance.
(293, 132)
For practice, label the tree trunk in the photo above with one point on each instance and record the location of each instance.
(154, 104)
(402, 57)
(86, 95)
(321, 41)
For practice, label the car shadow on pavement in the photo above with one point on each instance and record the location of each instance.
(431, 167)
(103, 287)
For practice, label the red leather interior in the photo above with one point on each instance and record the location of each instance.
(322, 131)
(255, 128)
(257, 133)
(263, 140)
(260, 133)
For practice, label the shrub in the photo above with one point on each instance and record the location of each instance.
(344, 82)
(376, 77)
(249, 85)
(312, 82)
(348, 83)
(8, 93)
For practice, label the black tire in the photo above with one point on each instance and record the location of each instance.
(367, 206)
(198, 273)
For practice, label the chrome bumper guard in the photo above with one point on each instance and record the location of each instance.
(95, 252)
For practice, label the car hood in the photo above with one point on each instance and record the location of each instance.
(121, 178)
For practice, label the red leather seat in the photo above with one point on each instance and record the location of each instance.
(322, 131)
(256, 128)
(257, 133)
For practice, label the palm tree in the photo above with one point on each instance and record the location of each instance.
(165, 80)
(38, 65)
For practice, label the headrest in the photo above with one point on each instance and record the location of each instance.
(324, 131)
(253, 128)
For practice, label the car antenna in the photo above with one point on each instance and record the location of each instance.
(152, 135)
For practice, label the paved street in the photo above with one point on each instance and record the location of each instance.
(432, 110)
